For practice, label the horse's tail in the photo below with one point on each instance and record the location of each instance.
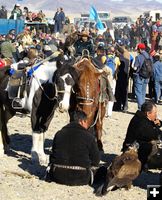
(4, 131)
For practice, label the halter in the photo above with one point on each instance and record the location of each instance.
(87, 98)
(60, 91)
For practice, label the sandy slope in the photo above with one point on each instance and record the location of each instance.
(20, 180)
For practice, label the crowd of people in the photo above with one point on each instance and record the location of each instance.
(23, 14)
(117, 55)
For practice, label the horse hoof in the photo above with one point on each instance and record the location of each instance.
(40, 159)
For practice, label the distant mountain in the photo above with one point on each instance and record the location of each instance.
(116, 7)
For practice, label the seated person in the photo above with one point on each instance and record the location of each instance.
(84, 42)
(74, 152)
(143, 128)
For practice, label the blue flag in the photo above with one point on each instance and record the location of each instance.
(99, 25)
(93, 15)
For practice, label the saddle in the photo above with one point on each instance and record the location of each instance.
(97, 63)
(17, 87)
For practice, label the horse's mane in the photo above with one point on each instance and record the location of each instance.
(86, 67)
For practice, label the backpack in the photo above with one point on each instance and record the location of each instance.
(146, 69)
(110, 62)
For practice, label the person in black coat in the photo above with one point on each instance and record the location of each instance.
(74, 152)
(143, 128)
(84, 43)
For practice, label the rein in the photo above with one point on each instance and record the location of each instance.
(57, 91)
(49, 98)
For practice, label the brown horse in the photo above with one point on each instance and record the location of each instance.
(87, 96)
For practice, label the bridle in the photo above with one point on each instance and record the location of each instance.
(86, 100)
(57, 92)
(60, 91)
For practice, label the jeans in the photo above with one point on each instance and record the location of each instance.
(140, 85)
(158, 88)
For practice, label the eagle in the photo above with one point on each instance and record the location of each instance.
(121, 172)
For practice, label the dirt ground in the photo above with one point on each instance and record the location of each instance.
(20, 180)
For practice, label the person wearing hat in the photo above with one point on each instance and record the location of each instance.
(3, 12)
(84, 43)
(16, 13)
(140, 82)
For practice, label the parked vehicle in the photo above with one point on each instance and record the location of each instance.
(92, 24)
(121, 21)
(10, 24)
(156, 14)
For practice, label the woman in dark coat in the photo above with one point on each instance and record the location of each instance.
(74, 152)
(143, 128)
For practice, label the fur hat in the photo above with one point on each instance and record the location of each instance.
(84, 34)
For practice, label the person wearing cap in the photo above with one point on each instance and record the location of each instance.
(84, 43)
(74, 152)
(140, 83)
(16, 13)
(3, 12)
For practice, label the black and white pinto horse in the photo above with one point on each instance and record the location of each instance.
(50, 87)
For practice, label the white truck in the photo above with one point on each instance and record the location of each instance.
(156, 14)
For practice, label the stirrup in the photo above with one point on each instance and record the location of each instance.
(17, 103)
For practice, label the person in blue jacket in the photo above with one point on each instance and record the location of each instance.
(59, 19)
(157, 75)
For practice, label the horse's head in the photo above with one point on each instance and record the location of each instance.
(64, 79)
(88, 90)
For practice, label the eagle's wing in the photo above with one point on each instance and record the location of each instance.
(126, 174)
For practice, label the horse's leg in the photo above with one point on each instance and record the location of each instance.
(99, 125)
(41, 116)
(1, 140)
(37, 152)
(4, 138)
